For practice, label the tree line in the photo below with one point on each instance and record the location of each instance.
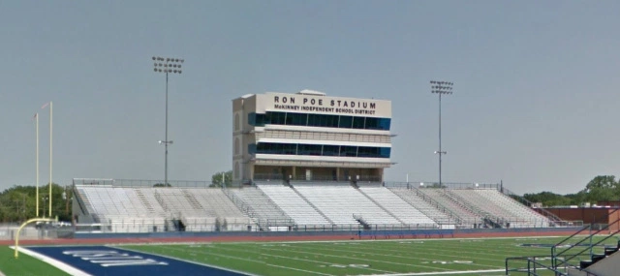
(18, 204)
(602, 188)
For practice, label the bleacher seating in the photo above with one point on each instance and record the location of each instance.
(503, 207)
(199, 209)
(307, 204)
(120, 208)
(399, 208)
(265, 211)
(215, 203)
(411, 197)
(467, 217)
(341, 203)
(294, 205)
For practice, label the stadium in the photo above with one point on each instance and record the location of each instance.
(308, 197)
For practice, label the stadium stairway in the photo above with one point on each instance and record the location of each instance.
(441, 216)
(82, 201)
(363, 222)
(144, 200)
(311, 205)
(586, 256)
(582, 258)
(599, 265)
(380, 206)
(489, 219)
(246, 209)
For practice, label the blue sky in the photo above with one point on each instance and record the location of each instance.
(535, 102)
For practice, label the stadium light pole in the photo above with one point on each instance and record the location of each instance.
(441, 88)
(167, 66)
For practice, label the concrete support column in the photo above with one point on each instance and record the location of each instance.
(337, 173)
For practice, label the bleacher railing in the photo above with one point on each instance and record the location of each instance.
(316, 178)
(455, 219)
(529, 204)
(237, 225)
(265, 224)
(142, 183)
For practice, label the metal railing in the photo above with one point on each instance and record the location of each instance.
(564, 257)
(568, 254)
(528, 203)
(532, 265)
(316, 178)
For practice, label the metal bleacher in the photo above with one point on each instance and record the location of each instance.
(127, 209)
(502, 206)
(215, 203)
(398, 207)
(342, 204)
(294, 205)
(411, 196)
(466, 216)
(120, 209)
(264, 210)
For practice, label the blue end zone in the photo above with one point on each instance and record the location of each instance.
(102, 260)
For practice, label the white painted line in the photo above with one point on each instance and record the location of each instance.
(58, 264)
(185, 261)
(297, 269)
(439, 273)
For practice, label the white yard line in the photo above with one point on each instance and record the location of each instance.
(60, 265)
(297, 269)
(302, 260)
(363, 259)
(439, 273)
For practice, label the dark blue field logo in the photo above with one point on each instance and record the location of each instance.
(110, 258)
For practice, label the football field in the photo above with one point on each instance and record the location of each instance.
(346, 257)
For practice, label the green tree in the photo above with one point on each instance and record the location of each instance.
(602, 181)
(548, 199)
(18, 203)
(162, 185)
(601, 188)
(221, 179)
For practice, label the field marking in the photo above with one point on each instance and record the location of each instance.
(326, 263)
(222, 246)
(211, 253)
(363, 259)
(439, 273)
(296, 259)
(414, 256)
(58, 264)
(302, 270)
(187, 261)
(264, 254)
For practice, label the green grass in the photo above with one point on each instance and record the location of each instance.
(347, 257)
(24, 265)
(357, 257)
